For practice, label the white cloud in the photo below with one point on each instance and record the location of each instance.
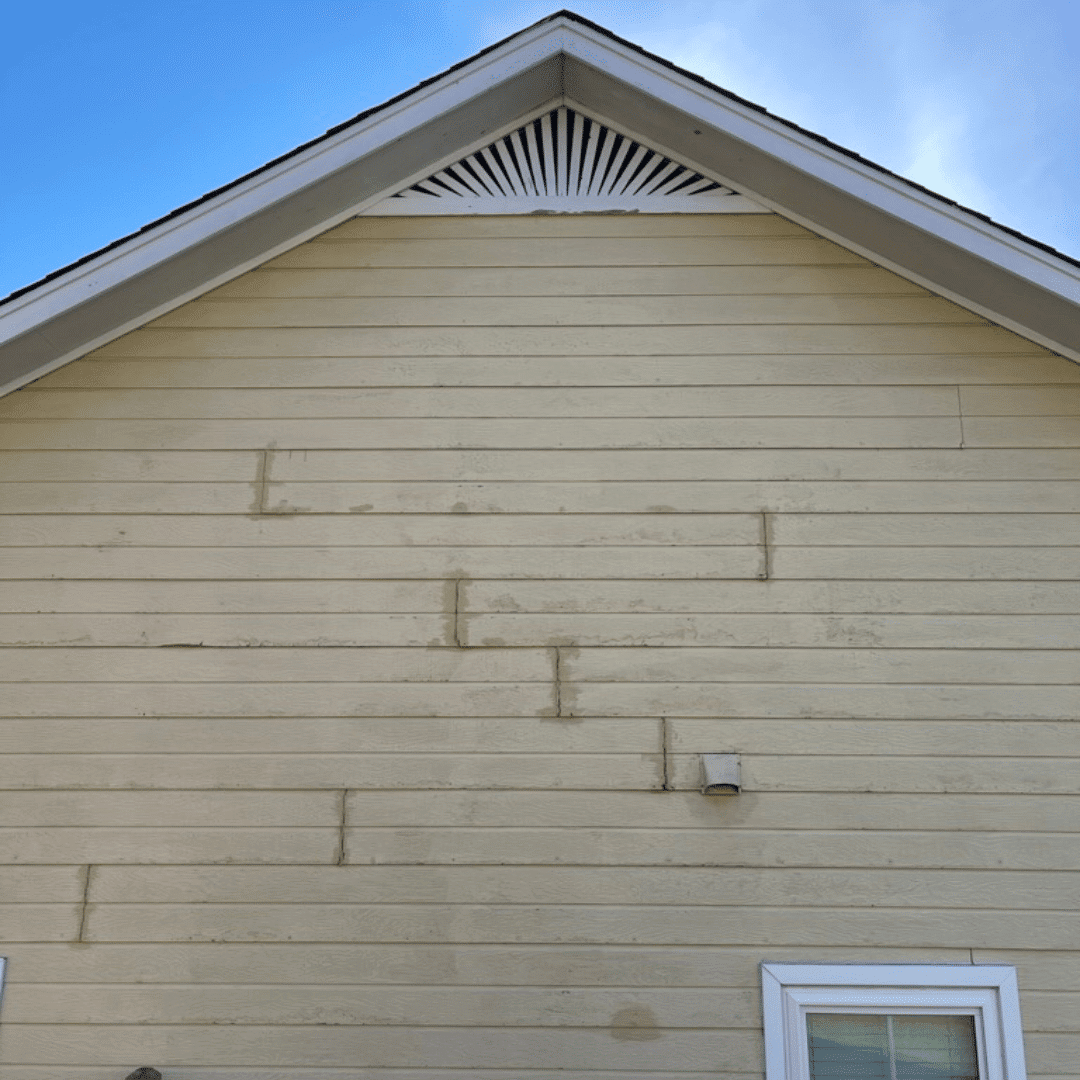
(939, 139)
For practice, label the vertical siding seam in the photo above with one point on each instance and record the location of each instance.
(261, 507)
(268, 461)
(84, 905)
(454, 602)
(665, 750)
(262, 481)
(766, 539)
(960, 414)
(558, 680)
(340, 859)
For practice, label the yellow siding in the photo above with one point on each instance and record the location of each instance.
(365, 620)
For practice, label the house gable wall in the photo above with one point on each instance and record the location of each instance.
(369, 615)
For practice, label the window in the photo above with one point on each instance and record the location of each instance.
(891, 1022)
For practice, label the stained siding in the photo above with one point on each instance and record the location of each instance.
(365, 619)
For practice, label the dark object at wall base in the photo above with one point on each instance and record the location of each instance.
(144, 1073)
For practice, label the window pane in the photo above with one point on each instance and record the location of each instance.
(857, 1046)
(848, 1047)
(935, 1048)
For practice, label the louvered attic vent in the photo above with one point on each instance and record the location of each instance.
(565, 161)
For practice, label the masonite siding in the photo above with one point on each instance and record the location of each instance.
(364, 621)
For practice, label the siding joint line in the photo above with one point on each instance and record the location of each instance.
(343, 811)
(665, 750)
(262, 481)
(558, 681)
(960, 414)
(766, 540)
(458, 583)
(80, 936)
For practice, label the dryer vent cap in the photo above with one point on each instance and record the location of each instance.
(720, 774)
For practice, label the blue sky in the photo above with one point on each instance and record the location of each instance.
(115, 112)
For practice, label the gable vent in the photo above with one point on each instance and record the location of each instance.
(564, 160)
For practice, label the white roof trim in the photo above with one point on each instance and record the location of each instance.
(266, 188)
(768, 133)
(186, 255)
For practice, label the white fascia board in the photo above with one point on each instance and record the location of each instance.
(886, 193)
(142, 253)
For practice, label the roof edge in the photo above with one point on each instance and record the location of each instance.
(330, 132)
(817, 156)
(339, 145)
(598, 67)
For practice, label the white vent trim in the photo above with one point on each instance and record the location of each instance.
(565, 161)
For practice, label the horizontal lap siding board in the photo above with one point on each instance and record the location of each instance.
(364, 622)
(1013, 366)
(632, 340)
(643, 402)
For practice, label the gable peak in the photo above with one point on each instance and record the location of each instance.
(565, 160)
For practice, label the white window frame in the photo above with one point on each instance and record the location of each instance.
(988, 993)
